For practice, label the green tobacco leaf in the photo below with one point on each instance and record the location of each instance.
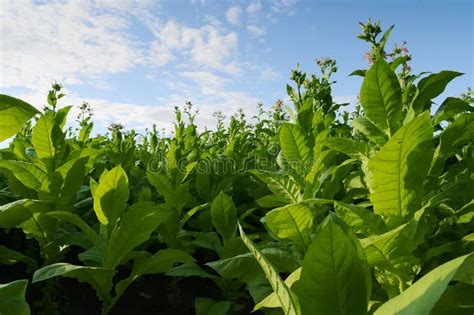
(15, 213)
(99, 278)
(62, 185)
(430, 87)
(367, 128)
(48, 141)
(10, 257)
(205, 306)
(399, 168)
(335, 278)
(457, 134)
(14, 113)
(136, 226)
(350, 147)
(79, 223)
(381, 97)
(61, 116)
(12, 298)
(161, 262)
(293, 222)
(422, 296)
(224, 216)
(283, 187)
(272, 301)
(111, 195)
(457, 300)
(360, 219)
(450, 108)
(288, 301)
(189, 270)
(29, 174)
(245, 268)
(295, 147)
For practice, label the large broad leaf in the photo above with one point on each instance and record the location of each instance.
(295, 147)
(422, 296)
(335, 278)
(272, 301)
(224, 216)
(381, 97)
(79, 223)
(14, 113)
(284, 188)
(288, 301)
(99, 278)
(136, 226)
(450, 108)
(62, 185)
(457, 134)
(293, 222)
(360, 219)
(368, 129)
(48, 141)
(12, 298)
(10, 257)
(430, 87)
(111, 195)
(245, 268)
(15, 213)
(399, 168)
(28, 174)
(350, 147)
(161, 262)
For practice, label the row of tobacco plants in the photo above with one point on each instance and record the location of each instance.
(308, 210)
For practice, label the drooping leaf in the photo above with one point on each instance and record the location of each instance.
(99, 278)
(351, 148)
(224, 216)
(12, 298)
(288, 301)
(367, 128)
(14, 113)
(430, 87)
(161, 262)
(293, 222)
(422, 296)
(15, 213)
(360, 219)
(284, 188)
(10, 257)
(381, 97)
(457, 134)
(111, 195)
(399, 168)
(451, 107)
(28, 174)
(335, 278)
(272, 301)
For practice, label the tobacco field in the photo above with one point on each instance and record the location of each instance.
(302, 209)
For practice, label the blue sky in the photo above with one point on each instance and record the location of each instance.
(133, 61)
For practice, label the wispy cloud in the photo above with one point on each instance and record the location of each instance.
(256, 31)
(233, 15)
(254, 7)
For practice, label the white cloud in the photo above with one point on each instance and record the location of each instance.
(233, 15)
(270, 74)
(283, 6)
(62, 41)
(207, 46)
(256, 31)
(254, 7)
